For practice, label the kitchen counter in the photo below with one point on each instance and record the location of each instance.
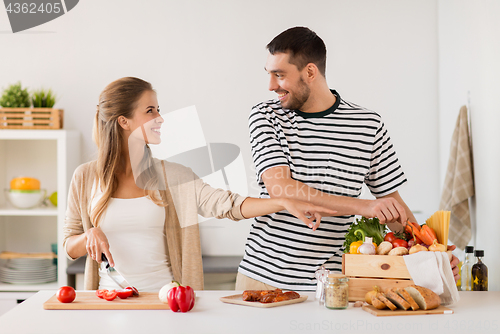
(476, 312)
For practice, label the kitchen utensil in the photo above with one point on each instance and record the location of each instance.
(115, 275)
(238, 299)
(87, 300)
(25, 199)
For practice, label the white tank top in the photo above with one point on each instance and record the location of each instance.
(135, 231)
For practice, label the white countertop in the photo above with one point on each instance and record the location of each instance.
(476, 312)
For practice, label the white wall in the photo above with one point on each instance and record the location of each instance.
(382, 55)
(469, 53)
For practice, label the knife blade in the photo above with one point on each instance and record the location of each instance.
(115, 275)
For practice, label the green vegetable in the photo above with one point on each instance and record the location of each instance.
(364, 227)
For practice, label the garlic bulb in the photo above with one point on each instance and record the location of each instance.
(367, 247)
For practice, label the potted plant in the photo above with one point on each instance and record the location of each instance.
(15, 97)
(43, 98)
(17, 113)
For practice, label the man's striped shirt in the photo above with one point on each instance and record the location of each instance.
(334, 151)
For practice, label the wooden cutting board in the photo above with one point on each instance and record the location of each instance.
(387, 312)
(87, 300)
(238, 299)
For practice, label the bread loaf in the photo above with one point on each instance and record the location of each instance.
(377, 303)
(425, 298)
(386, 301)
(404, 294)
(396, 299)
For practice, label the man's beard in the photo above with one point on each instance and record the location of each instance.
(299, 98)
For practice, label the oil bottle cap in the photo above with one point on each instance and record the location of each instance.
(479, 253)
(469, 249)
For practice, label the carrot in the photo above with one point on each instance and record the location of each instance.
(415, 225)
(429, 233)
(419, 234)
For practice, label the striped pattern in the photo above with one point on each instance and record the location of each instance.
(335, 151)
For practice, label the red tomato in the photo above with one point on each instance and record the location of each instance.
(66, 294)
(100, 293)
(135, 292)
(399, 243)
(390, 237)
(125, 293)
(110, 295)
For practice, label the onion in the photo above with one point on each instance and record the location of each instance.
(418, 248)
(367, 247)
(163, 294)
(437, 247)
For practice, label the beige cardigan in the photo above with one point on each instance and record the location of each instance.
(189, 195)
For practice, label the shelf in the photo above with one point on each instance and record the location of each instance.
(4, 287)
(51, 156)
(28, 212)
(11, 134)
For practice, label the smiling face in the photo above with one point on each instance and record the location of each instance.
(287, 81)
(146, 121)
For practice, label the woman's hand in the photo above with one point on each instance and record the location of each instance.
(307, 212)
(96, 244)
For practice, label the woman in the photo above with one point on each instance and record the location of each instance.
(140, 212)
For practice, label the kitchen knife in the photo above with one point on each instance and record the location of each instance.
(116, 276)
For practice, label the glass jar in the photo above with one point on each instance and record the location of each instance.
(336, 292)
(321, 276)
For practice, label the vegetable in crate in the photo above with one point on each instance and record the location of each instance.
(364, 227)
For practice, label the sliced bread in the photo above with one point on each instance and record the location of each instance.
(425, 298)
(404, 294)
(377, 303)
(386, 301)
(396, 299)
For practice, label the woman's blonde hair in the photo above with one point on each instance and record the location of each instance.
(119, 98)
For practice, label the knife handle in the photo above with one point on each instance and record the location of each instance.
(105, 260)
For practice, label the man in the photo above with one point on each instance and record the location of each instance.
(312, 145)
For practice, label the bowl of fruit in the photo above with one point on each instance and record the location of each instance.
(25, 193)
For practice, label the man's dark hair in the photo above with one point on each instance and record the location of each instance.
(303, 45)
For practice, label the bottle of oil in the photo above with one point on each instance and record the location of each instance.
(465, 273)
(479, 273)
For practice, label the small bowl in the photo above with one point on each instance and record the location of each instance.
(25, 199)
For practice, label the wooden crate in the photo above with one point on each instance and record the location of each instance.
(366, 271)
(31, 118)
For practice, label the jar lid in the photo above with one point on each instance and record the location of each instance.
(336, 276)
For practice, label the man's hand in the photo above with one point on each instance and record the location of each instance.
(387, 210)
(454, 264)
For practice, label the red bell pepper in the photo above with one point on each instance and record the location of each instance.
(181, 298)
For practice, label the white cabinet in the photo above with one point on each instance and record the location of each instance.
(51, 156)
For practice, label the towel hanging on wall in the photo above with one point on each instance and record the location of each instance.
(459, 183)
